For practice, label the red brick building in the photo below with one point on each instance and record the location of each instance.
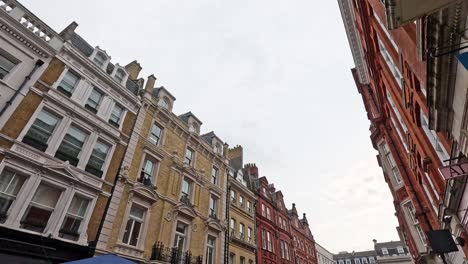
(390, 75)
(303, 240)
(274, 226)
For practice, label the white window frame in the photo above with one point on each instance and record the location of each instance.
(144, 227)
(433, 138)
(216, 176)
(216, 204)
(392, 67)
(391, 163)
(192, 161)
(161, 136)
(13, 59)
(384, 251)
(106, 62)
(157, 163)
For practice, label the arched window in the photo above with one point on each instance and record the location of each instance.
(119, 75)
(99, 59)
(163, 103)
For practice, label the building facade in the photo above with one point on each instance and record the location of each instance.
(442, 37)
(63, 133)
(169, 200)
(241, 212)
(278, 241)
(391, 76)
(323, 255)
(393, 252)
(360, 257)
(304, 243)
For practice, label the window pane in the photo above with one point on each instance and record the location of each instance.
(94, 99)
(71, 145)
(137, 212)
(116, 115)
(128, 229)
(41, 208)
(68, 83)
(155, 133)
(97, 158)
(10, 184)
(135, 233)
(78, 206)
(40, 131)
(99, 59)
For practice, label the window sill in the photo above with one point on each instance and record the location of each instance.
(128, 250)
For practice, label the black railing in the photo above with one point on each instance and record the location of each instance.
(173, 255)
(185, 199)
(145, 178)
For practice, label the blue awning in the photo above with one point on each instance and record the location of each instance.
(463, 58)
(104, 259)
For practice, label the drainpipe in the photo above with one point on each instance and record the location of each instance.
(38, 64)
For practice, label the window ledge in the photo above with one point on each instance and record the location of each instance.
(128, 250)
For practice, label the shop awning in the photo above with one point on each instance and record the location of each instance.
(104, 259)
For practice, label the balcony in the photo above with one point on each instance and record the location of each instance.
(185, 199)
(145, 179)
(162, 254)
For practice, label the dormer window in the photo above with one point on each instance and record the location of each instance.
(119, 75)
(163, 103)
(193, 128)
(99, 59)
(217, 148)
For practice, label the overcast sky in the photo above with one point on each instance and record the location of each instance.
(273, 76)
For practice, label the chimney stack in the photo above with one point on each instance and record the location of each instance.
(133, 69)
(68, 31)
(150, 83)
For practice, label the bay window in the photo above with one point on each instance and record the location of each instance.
(134, 225)
(74, 218)
(71, 146)
(40, 209)
(10, 185)
(98, 158)
(41, 130)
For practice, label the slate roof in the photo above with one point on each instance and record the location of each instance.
(185, 117)
(352, 255)
(84, 47)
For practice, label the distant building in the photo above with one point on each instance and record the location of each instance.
(360, 257)
(323, 255)
(393, 252)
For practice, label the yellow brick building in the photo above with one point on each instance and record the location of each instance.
(63, 134)
(242, 245)
(169, 200)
